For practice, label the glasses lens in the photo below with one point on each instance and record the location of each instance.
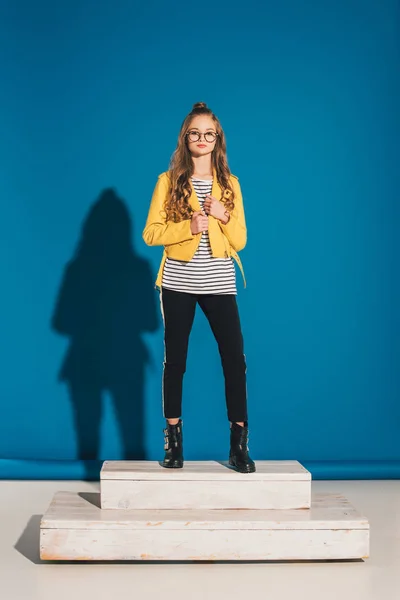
(210, 136)
(193, 136)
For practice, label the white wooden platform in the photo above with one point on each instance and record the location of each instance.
(74, 528)
(204, 485)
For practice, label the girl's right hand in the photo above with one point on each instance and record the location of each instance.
(199, 222)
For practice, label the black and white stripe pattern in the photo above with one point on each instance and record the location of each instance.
(203, 274)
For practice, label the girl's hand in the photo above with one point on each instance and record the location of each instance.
(214, 207)
(199, 222)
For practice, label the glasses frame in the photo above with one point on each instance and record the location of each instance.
(200, 133)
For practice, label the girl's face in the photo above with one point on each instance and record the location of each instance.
(200, 146)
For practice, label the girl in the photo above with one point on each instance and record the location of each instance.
(197, 214)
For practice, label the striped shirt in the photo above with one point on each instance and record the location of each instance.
(203, 274)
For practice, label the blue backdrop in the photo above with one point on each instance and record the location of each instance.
(93, 95)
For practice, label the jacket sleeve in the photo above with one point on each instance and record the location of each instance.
(236, 229)
(157, 232)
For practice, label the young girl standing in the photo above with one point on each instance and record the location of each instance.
(196, 213)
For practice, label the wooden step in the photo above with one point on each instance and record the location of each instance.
(76, 528)
(204, 485)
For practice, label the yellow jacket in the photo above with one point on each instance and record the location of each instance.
(177, 238)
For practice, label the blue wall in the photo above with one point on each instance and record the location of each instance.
(93, 95)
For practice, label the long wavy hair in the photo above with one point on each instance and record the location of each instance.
(181, 168)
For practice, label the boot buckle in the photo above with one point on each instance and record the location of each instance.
(166, 440)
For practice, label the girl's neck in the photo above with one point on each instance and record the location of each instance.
(202, 175)
(202, 168)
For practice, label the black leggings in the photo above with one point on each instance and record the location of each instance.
(178, 310)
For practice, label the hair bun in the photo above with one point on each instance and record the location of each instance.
(199, 105)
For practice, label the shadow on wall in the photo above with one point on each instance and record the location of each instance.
(106, 301)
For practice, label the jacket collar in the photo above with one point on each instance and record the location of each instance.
(215, 191)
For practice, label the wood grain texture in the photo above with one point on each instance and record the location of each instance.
(74, 528)
(76, 544)
(214, 494)
(69, 510)
(204, 484)
(195, 470)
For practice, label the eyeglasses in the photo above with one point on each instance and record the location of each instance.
(195, 136)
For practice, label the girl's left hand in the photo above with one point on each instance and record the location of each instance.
(214, 207)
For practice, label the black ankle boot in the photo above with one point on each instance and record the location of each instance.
(173, 446)
(239, 451)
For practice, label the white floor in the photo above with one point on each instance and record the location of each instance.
(24, 577)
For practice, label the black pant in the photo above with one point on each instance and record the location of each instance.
(178, 310)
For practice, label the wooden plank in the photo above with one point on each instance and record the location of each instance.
(145, 470)
(198, 545)
(147, 485)
(69, 510)
(214, 494)
(75, 528)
